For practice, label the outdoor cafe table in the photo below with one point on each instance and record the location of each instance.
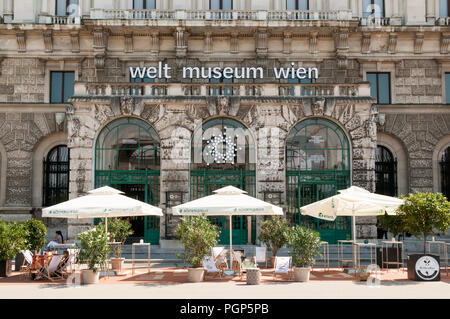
(373, 252)
(133, 246)
(385, 259)
(341, 260)
(445, 246)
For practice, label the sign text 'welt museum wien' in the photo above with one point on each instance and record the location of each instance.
(163, 71)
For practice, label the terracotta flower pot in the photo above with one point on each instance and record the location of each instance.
(195, 274)
(117, 263)
(301, 274)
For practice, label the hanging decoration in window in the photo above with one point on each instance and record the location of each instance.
(221, 149)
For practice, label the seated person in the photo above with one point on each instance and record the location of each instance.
(58, 239)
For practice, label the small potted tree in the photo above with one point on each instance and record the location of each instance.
(423, 215)
(198, 236)
(119, 229)
(305, 244)
(274, 235)
(12, 241)
(94, 252)
(35, 233)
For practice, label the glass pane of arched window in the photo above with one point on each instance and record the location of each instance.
(385, 172)
(128, 144)
(56, 176)
(445, 173)
(317, 144)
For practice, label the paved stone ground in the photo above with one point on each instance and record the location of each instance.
(168, 283)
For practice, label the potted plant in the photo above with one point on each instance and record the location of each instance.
(274, 235)
(118, 229)
(35, 233)
(198, 236)
(94, 252)
(305, 244)
(423, 215)
(12, 241)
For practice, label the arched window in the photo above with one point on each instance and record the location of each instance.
(445, 173)
(223, 153)
(385, 172)
(317, 144)
(317, 166)
(127, 144)
(56, 176)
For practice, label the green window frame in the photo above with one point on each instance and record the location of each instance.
(380, 88)
(139, 145)
(61, 86)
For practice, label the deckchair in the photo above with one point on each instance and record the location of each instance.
(260, 255)
(210, 267)
(50, 268)
(27, 265)
(237, 263)
(220, 257)
(282, 266)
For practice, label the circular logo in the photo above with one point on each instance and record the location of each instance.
(427, 268)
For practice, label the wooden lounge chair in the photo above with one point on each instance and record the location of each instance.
(260, 255)
(221, 258)
(237, 264)
(50, 269)
(283, 265)
(210, 267)
(27, 265)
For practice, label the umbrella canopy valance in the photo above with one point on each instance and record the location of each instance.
(100, 203)
(227, 201)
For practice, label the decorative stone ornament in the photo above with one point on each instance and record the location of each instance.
(318, 106)
(127, 105)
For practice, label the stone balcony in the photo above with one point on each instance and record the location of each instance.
(205, 15)
(89, 89)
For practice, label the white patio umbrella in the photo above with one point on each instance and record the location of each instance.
(354, 202)
(227, 201)
(102, 202)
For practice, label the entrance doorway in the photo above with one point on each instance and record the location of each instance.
(317, 153)
(127, 158)
(223, 154)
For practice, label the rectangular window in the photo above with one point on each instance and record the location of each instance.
(221, 4)
(297, 4)
(447, 88)
(380, 87)
(444, 5)
(373, 8)
(66, 7)
(61, 86)
(144, 4)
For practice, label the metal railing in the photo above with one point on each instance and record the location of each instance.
(443, 21)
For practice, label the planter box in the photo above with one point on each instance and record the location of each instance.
(5, 268)
(424, 267)
(18, 262)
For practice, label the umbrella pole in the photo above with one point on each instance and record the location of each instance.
(231, 241)
(354, 236)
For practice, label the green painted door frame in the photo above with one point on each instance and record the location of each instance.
(148, 178)
(204, 182)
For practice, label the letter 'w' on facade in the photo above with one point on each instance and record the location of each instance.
(213, 95)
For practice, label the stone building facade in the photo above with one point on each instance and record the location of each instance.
(404, 47)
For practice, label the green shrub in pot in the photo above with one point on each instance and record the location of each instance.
(12, 241)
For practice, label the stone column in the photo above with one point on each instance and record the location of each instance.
(431, 11)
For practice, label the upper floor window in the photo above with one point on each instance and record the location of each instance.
(373, 8)
(444, 6)
(56, 176)
(66, 7)
(447, 88)
(297, 4)
(380, 87)
(221, 4)
(61, 86)
(144, 4)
